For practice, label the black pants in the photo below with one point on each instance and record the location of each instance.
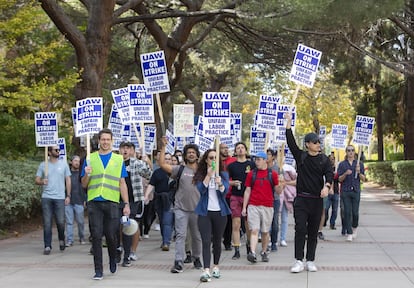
(211, 228)
(228, 230)
(104, 220)
(147, 218)
(307, 213)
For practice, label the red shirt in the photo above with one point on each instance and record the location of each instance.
(262, 192)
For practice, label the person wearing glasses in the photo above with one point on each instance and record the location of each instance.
(54, 197)
(351, 172)
(212, 210)
(314, 180)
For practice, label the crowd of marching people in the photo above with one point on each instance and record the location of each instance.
(201, 201)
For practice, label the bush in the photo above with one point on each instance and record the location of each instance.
(20, 197)
(381, 173)
(17, 137)
(396, 156)
(403, 172)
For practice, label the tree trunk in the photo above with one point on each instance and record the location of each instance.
(380, 134)
(92, 61)
(409, 119)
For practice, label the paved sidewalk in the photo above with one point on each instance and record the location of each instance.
(381, 256)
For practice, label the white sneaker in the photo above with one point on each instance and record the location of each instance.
(133, 256)
(349, 238)
(297, 267)
(354, 233)
(283, 243)
(146, 236)
(310, 266)
(157, 227)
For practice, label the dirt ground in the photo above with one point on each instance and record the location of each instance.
(22, 227)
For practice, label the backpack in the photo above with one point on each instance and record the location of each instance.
(269, 177)
(176, 183)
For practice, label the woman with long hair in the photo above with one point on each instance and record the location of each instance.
(212, 210)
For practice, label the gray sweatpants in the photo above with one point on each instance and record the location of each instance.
(184, 219)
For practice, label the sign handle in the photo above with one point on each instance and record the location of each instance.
(359, 158)
(294, 97)
(142, 128)
(281, 156)
(138, 137)
(217, 155)
(88, 149)
(157, 97)
(46, 163)
(266, 144)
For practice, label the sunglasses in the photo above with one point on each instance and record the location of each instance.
(56, 150)
(350, 150)
(316, 142)
(212, 157)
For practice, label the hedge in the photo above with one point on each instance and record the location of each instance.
(397, 174)
(19, 195)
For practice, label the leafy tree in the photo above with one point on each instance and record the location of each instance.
(34, 74)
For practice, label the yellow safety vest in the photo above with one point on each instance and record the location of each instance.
(104, 182)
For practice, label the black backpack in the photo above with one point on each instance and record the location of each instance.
(269, 177)
(176, 183)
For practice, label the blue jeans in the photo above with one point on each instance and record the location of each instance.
(284, 222)
(74, 212)
(275, 223)
(351, 210)
(333, 201)
(104, 219)
(166, 223)
(53, 208)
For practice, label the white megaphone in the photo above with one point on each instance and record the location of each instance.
(130, 228)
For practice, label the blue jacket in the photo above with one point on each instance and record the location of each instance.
(202, 205)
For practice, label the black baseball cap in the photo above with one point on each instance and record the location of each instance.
(312, 137)
(127, 144)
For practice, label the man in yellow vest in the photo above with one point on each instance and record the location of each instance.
(104, 177)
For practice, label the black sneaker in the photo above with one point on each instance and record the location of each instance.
(251, 257)
(333, 227)
(321, 236)
(62, 245)
(265, 256)
(236, 255)
(98, 276)
(118, 255)
(188, 258)
(178, 267)
(197, 263)
(113, 266)
(126, 263)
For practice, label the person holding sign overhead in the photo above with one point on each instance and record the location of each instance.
(53, 196)
(104, 176)
(314, 180)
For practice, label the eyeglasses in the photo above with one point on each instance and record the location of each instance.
(56, 150)
(350, 150)
(212, 157)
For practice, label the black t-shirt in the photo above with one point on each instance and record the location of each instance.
(128, 182)
(238, 171)
(159, 179)
(313, 171)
